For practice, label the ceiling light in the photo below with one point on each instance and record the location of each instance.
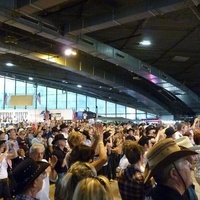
(30, 78)
(180, 58)
(79, 86)
(69, 52)
(145, 42)
(9, 64)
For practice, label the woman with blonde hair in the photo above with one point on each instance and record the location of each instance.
(77, 172)
(97, 188)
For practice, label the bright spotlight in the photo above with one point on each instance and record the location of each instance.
(69, 52)
(145, 42)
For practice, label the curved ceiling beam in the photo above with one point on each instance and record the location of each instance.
(149, 103)
(102, 51)
(140, 68)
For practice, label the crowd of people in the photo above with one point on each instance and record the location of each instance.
(149, 162)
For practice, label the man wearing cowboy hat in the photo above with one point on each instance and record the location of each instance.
(27, 179)
(60, 151)
(168, 165)
(37, 153)
(185, 142)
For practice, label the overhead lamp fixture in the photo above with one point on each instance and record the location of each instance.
(9, 64)
(30, 78)
(69, 52)
(79, 86)
(145, 42)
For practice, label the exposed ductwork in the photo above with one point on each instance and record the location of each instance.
(32, 6)
(123, 15)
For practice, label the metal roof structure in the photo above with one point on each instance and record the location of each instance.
(111, 62)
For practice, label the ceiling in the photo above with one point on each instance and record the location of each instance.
(111, 64)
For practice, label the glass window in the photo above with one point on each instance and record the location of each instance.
(111, 109)
(20, 87)
(130, 113)
(61, 99)
(9, 90)
(150, 115)
(81, 102)
(31, 90)
(2, 94)
(91, 104)
(41, 97)
(120, 111)
(141, 114)
(71, 100)
(51, 98)
(20, 90)
(101, 107)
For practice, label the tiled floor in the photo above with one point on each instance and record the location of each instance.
(115, 189)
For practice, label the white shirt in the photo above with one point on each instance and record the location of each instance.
(123, 163)
(3, 169)
(177, 135)
(43, 194)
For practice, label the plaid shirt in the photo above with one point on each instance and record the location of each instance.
(131, 184)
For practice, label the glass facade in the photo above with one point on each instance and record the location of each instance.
(61, 99)
(31, 90)
(81, 102)
(51, 98)
(91, 104)
(111, 109)
(71, 100)
(41, 102)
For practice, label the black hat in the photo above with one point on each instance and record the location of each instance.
(144, 139)
(54, 129)
(25, 173)
(60, 136)
(106, 135)
(63, 126)
(169, 131)
(86, 133)
(2, 141)
(149, 128)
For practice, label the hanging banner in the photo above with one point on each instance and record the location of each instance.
(21, 100)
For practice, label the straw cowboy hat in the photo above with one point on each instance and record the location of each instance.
(10, 127)
(186, 143)
(162, 154)
(25, 173)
